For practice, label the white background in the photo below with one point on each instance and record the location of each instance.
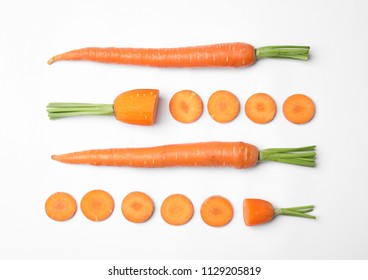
(334, 77)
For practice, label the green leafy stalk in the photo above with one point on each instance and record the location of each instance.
(61, 110)
(294, 52)
(296, 211)
(304, 156)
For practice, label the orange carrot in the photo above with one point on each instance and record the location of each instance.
(217, 55)
(258, 211)
(223, 106)
(97, 205)
(137, 106)
(216, 211)
(260, 108)
(298, 109)
(230, 154)
(60, 206)
(186, 106)
(177, 209)
(137, 207)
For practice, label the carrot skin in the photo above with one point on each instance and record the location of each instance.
(229, 154)
(216, 55)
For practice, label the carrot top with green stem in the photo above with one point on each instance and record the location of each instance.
(216, 55)
(258, 211)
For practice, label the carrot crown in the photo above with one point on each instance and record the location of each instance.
(294, 52)
(304, 156)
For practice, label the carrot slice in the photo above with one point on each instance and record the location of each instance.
(137, 207)
(260, 108)
(298, 108)
(257, 211)
(177, 209)
(223, 106)
(97, 205)
(216, 211)
(186, 106)
(60, 206)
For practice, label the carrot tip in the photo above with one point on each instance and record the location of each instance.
(51, 60)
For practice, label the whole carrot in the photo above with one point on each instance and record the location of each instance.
(216, 55)
(220, 154)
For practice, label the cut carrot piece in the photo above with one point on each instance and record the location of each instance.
(137, 207)
(260, 108)
(298, 108)
(186, 106)
(97, 205)
(177, 209)
(137, 106)
(223, 106)
(257, 211)
(60, 206)
(216, 211)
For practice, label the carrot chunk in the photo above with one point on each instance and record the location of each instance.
(257, 211)
(177, 209)
(60, 206)
(137, 207)
(97, 205)
(260, 108)
(186, 106)
(298, 109)
(216, 211)
(223, 106)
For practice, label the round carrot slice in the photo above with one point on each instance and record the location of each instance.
(223, 106)
(137, 207)
(298, 108)
(177, 209)
(186, 106)
(60, 206)
(216, 211)
(260, 108)
(97, 205)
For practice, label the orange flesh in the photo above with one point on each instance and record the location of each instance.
(177, 210)
(137, 207)
(97, 205)
(216, 211)
(230, 154)
(60, 206)
(260, 108)
(298, 109)
(137, 106)
(223, 106)
(186, 106)
(257, 211)
(217, 55)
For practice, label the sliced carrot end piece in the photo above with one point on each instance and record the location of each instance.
(97, 205)
(223, 106)
(138, 106)
(216, 211)
(137, 207)
(186, 106)
(260, 108)
(177, 210)
(257, 211)
(299, 109)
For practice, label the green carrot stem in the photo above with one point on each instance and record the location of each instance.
(61, 110)
(294, 52)
(304, 156)
(295, 211)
